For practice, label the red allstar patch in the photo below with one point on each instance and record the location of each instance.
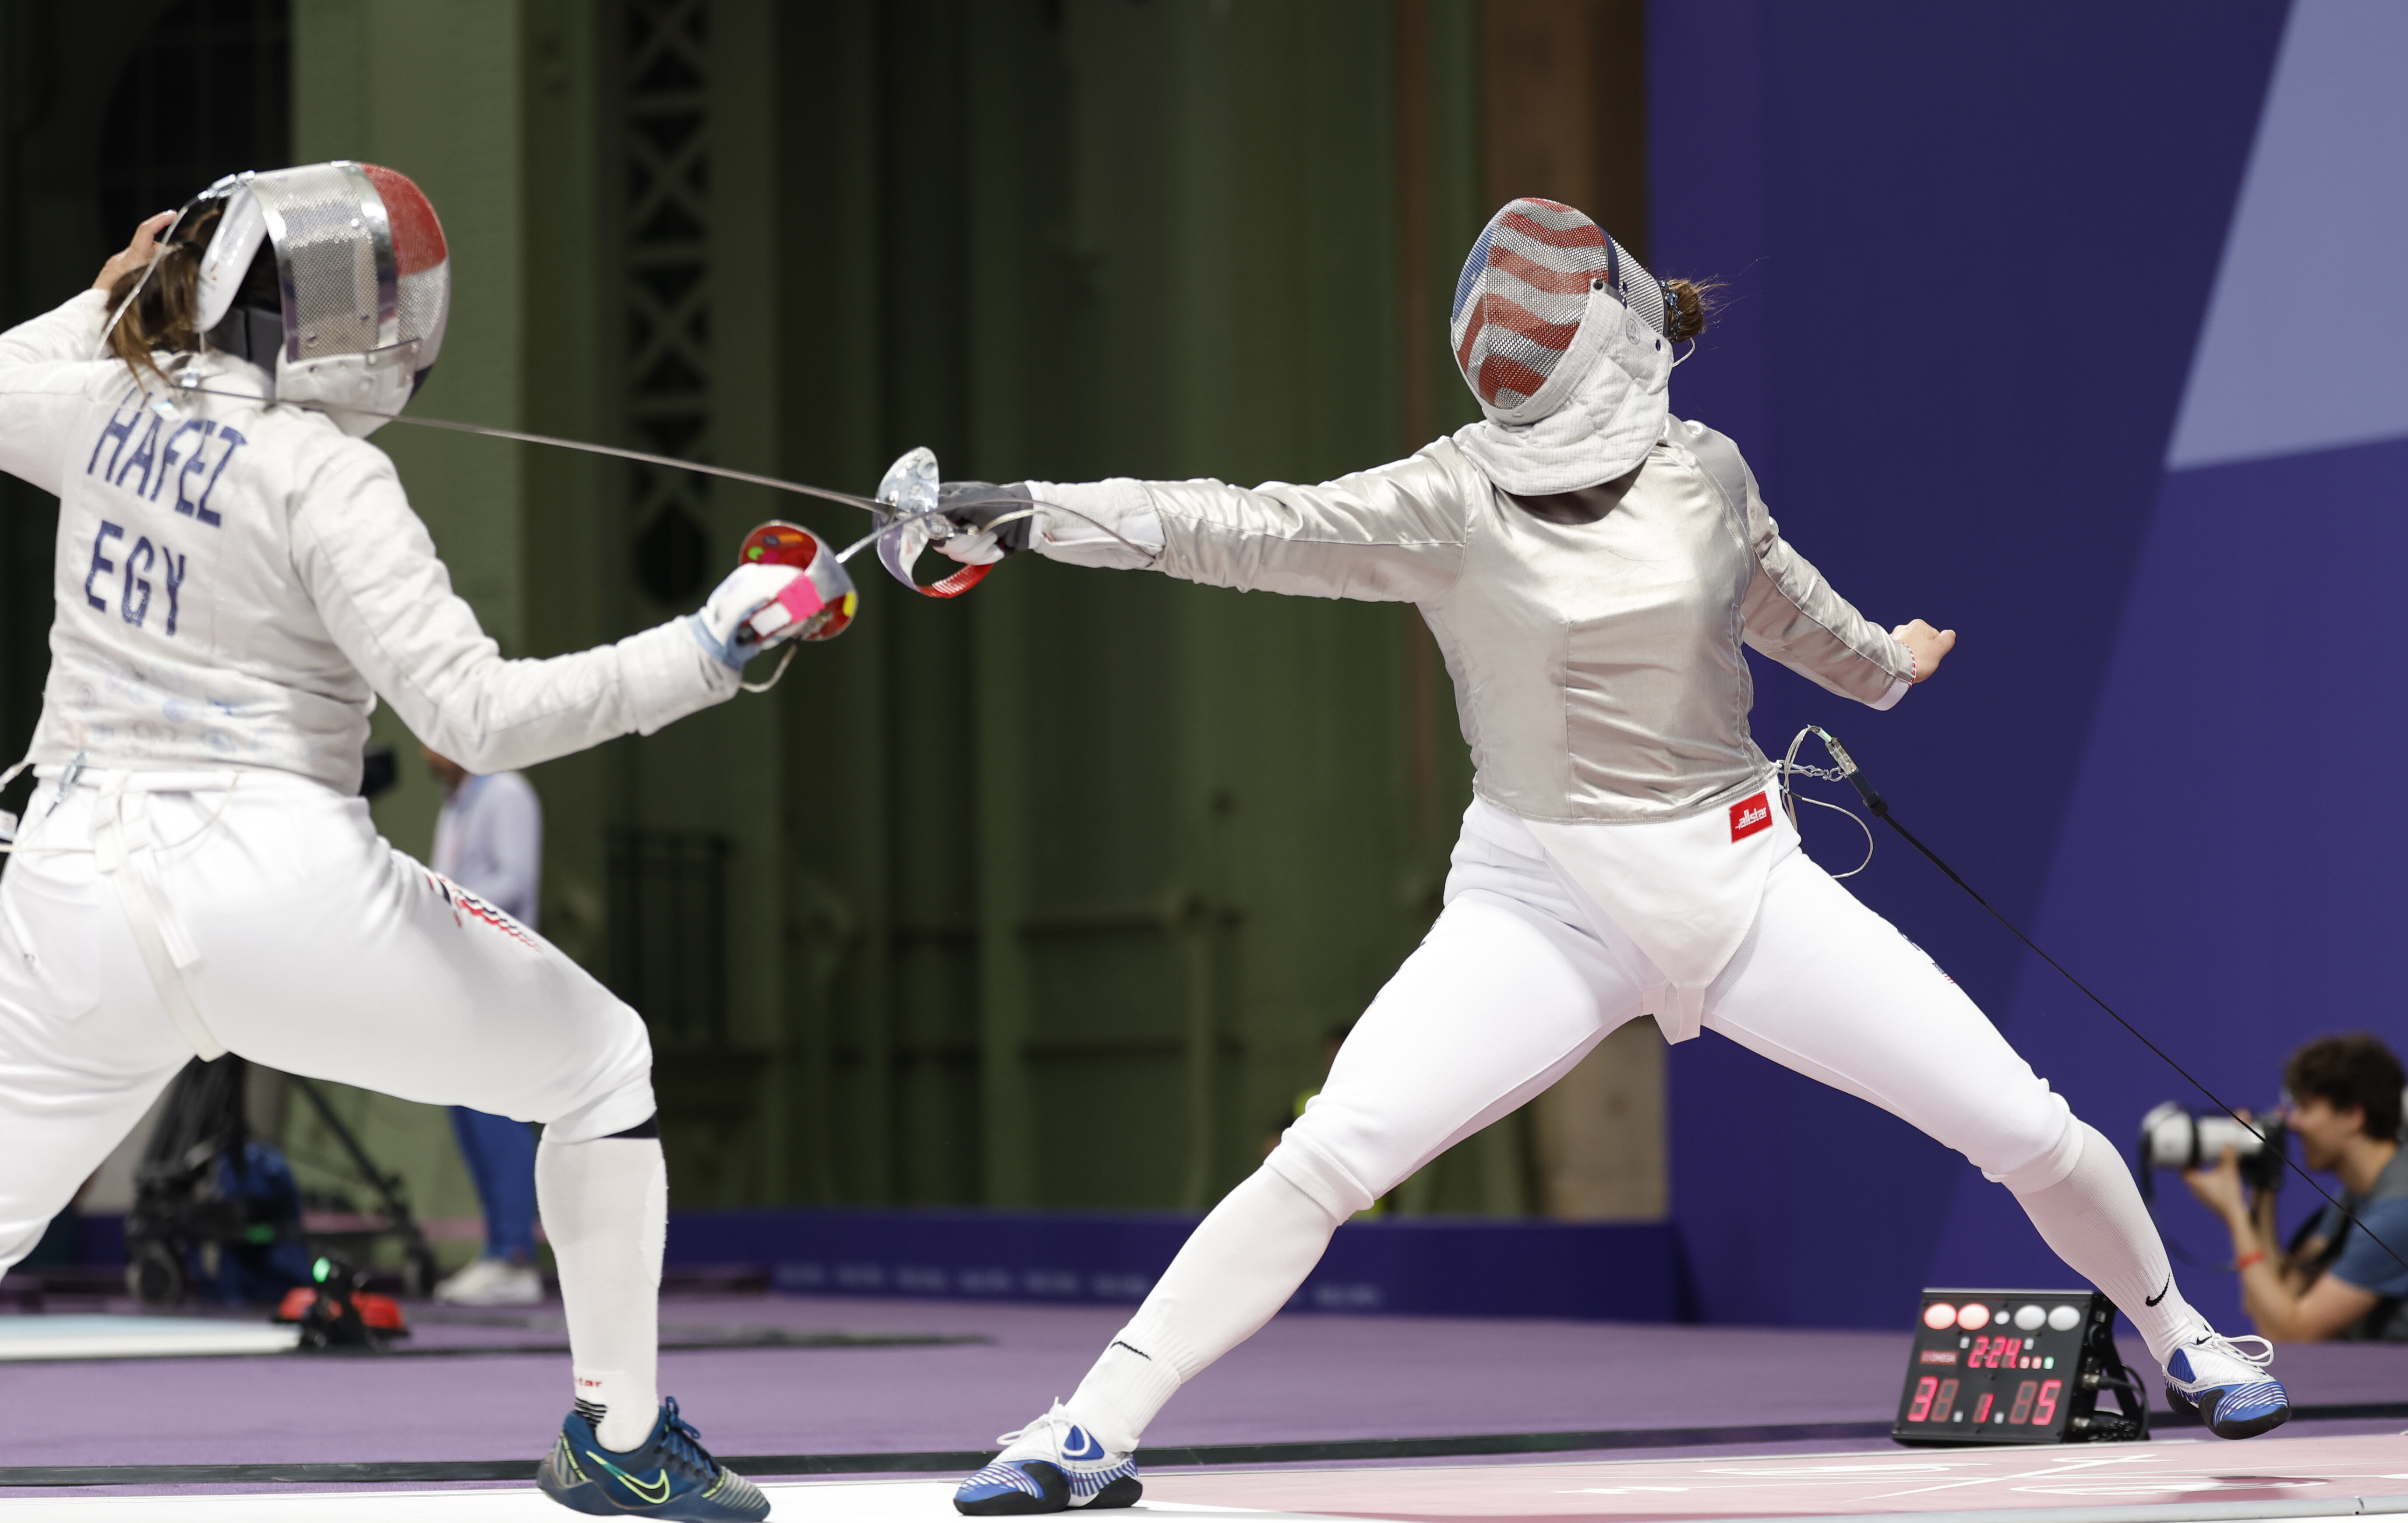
(1750, 815)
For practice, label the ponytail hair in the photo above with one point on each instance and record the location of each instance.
(163, 318)
(1688, 304)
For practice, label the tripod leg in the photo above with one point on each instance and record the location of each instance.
(389, 1188)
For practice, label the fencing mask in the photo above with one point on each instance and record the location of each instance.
(1560, 333)
(346, 303)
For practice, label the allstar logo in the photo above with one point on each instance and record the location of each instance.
(1750, 815)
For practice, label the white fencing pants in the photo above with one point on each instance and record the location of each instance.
(1511, 987)
(295, 937)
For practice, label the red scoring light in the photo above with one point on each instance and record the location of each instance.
(1938, 1314)
(2022, 1409)
(1922, 1390)
(1995, 1353)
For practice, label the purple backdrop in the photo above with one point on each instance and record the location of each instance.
(1969, 249)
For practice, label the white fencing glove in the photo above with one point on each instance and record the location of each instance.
(970, 507)
(746, 591)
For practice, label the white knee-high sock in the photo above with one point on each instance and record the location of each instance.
(1236, 1272)
(606, 1209)
(2095, 1219)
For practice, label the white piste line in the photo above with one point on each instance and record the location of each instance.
(2063, 1468)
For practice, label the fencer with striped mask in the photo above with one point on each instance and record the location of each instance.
(1594, 569)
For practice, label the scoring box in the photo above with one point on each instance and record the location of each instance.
(2016, 1367)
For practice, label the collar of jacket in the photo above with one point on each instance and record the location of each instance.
(1595, 419)
(215, 373)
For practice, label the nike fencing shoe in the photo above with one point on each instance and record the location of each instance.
(2214, 1377)
(671, 1476)
(1049, 1466)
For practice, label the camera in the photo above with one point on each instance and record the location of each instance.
(2174, 1137)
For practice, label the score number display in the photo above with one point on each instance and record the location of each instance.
(2010, 1367)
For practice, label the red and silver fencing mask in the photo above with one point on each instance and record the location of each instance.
(362, 287)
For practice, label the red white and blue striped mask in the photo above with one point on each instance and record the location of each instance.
(1524, 291)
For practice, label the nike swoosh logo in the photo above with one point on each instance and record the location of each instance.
(1134, 1349)
(2161, 1292)
(655, 1491)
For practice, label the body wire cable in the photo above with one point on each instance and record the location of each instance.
(1791, 798)
(1848, 769)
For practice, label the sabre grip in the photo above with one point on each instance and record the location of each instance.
(971, 505)
(817, 605)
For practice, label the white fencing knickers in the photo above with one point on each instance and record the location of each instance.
(1513, 985)
(1516, 982)
(282, 929)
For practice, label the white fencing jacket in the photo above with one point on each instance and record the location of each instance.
(1593, 637)
(237, 580)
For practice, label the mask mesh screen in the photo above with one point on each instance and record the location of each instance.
(328, 260)
(1524, 290)
(325, 248)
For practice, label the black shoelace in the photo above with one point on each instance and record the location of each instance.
(682, 1445)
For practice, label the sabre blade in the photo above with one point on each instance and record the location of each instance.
(668, 462)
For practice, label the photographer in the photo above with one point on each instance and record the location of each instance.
(2335, 1280)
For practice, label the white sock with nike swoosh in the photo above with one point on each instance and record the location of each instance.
(2096, 1220)
(1238, 1269)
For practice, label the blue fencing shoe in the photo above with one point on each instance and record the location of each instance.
(2213, 1377)
(670, 1475)
(1049, 1466)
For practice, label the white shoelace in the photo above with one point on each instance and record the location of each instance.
(2219, 1344)
(1057, 1418)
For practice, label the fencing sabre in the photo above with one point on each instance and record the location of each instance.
(906, 519)
(1843, 768)
(821, 603)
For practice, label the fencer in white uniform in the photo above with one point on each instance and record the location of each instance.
(1591, 567)
(239, 576)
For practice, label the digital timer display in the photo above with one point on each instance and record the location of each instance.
(2014, 1366)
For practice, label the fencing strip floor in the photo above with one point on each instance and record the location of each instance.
(102, 1336)
(2168, 1482)
(2183, 1478)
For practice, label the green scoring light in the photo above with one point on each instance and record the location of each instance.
(320, 1270)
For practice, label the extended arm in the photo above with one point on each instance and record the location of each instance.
(1393, 534)
(387, 599)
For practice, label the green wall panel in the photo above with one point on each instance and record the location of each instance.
(1157, 839)
(1048, 896)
